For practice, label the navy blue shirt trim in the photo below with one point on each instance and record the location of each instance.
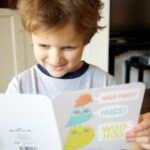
(70, 75)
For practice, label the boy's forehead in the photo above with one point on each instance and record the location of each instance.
(66, 32)
(57, 30)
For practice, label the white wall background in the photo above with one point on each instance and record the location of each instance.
(97, 51)
(12, 56)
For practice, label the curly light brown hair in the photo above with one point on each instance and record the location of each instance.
(41, 15)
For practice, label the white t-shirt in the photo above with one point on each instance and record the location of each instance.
(34, 81)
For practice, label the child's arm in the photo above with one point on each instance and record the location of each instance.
(140, 134)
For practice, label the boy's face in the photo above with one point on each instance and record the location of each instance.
(59, 50)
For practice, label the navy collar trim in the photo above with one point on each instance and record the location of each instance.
(70, 75)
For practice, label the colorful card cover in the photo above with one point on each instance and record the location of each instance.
(91, 119)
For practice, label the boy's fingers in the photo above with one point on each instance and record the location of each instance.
(145, 124)
(140, 140)
(144, 116)
(143, 133)
(143, 140)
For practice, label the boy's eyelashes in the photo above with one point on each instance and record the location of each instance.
(44, 46)
(69, 48)
(63, 48)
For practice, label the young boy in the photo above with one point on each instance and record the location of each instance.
(59, 30)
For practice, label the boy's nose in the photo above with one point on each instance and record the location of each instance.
(56, 57)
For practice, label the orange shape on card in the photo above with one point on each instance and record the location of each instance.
(83, 100)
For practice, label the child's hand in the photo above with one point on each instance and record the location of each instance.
(140, 133)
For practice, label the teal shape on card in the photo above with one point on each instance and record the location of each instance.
(80, 115)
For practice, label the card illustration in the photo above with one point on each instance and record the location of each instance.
(83, 100)
(100, 117)
(112, 111)
(78, 137)
(113, 131)
(79, 116)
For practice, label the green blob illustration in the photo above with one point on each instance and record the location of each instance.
(79, 116)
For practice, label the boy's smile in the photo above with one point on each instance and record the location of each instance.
(59, 50)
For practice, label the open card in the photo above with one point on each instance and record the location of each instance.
(92, 119)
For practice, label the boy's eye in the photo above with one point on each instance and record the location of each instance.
(44, 46)
(69, 48)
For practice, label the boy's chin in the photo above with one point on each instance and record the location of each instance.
(57, 75)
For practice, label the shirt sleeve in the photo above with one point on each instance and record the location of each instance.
(13, 87)
(110, 80)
